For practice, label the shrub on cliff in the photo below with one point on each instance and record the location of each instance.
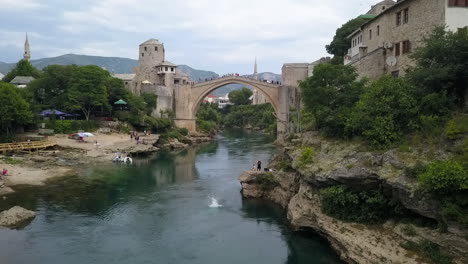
(356, 206)
(444, 177)
(307, 156)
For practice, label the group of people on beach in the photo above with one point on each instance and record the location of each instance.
(258, 167)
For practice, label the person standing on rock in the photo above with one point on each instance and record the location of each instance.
(259, 165)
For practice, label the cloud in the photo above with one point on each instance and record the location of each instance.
(219, 35)
(19, 5)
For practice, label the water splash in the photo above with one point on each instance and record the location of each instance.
(214, 203)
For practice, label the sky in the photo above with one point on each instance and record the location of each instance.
(224, 36)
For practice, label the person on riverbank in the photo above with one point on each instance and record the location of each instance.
(4, 172)
(259, 165)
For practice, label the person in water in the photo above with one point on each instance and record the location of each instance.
(259, 165)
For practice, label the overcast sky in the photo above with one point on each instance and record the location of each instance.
(219, 35)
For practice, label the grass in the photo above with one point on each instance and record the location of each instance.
(457, 126)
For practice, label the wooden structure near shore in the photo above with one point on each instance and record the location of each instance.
(26, 146)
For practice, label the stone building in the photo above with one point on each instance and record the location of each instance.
(155, 75)
(383, 44)
(293, 73)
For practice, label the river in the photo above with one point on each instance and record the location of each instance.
(158, 211)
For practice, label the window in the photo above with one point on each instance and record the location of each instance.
(172, 69)
(146, 49)
(406, 16)
(398, 18)
(156, 48)
(462, 3)
(378, 30)
(406, 46)
(396, 73)
(397, 49)
(142, 54)
(167, 69)
(370, 33)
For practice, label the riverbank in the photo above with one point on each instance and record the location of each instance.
(69, 156)
(311, 164)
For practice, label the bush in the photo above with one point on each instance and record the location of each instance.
(429, 250)
(386, 111)
(444, 177)
(183, 131)
(456, 126)
(307, 156)
(267, 181)
(356, 206)
(72, 126)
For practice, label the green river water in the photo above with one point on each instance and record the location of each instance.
(158, 211)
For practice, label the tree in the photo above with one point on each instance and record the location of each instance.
(241, 97)
(116, 90)
(14, 110)
(386, 110)
(340, 44)
(442, 68)
(330, 94)
(88, 89)
(22, 68)
(51, 89)
(150, 102)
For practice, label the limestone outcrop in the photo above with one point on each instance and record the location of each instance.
(350, 164)
(16, 217)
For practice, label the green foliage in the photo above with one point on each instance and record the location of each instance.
(72, 126)
(456, 126)
(444, 177)
(307, 156)
(355, 206)
(10, 160)
(408, 230)
(429, 250)
(116, 90)
(207, 126)
(441, 69)
(340, 44)
(22, 68)
(385, 112)
(14, 111)
(240, 97)
(267, 181)
(183, 131)
(150, 101)
(88, 89)
(330, 94)
(447, 182)
(255, 116)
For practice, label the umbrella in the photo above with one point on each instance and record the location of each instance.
(85, 134)
(51, 112)
(120, 102)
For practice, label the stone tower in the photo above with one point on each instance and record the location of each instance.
(27, 52)
(151, 53)
(255, 75)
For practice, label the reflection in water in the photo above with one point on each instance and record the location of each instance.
(158, 210)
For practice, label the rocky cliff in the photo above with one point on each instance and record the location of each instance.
(394, 240)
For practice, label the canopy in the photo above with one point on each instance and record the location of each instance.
(52, 112)
(120, 102)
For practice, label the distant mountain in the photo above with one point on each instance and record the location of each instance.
(112, 64)
(124, 65)
(197, 75)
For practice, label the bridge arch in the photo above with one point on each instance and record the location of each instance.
(188, 99)
(202, 90)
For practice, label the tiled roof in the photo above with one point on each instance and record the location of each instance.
(22, 80)
(151, 42)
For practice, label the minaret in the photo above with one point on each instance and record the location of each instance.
(27, 52)
(255, 75)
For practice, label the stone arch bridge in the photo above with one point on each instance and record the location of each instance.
(188, 99)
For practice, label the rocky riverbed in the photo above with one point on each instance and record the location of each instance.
(349, 164)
